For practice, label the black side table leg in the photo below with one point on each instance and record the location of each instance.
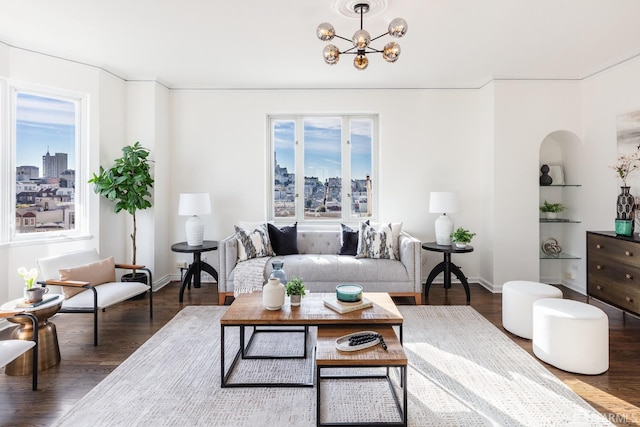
(458, 273)
(187, 279)
(434, 273)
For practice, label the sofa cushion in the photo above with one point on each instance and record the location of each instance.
(284, 241)
(253, 243)
(375, 242)
(396, 229)
(348, 240)
(96, 273)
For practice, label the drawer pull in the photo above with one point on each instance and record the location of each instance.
(599, 267)
(628, 253)
(628, 276)
(598, 287)
(629, 299)
(598, 246)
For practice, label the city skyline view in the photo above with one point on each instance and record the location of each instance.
(44, 124)
(323, 148)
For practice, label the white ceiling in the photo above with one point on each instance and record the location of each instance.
(272, 43)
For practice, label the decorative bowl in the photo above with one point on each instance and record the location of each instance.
(348, 292)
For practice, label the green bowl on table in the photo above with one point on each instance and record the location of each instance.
(348, 292)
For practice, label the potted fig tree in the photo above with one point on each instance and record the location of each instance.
(127, 183)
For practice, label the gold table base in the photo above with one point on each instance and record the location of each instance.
(48, 349)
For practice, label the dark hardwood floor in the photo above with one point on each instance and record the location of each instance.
(125, 327)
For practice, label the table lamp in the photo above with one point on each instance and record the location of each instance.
(194, 204)
(443, 202)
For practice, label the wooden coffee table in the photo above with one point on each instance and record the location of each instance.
(328, 356)
(247, 311)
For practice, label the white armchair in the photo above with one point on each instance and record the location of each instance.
(13, 348)
(89, 283)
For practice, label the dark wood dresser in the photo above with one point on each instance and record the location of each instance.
(613, 269)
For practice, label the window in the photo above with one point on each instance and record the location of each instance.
(46, 146)
(327, 151)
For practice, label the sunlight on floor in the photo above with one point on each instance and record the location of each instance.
(612, 408)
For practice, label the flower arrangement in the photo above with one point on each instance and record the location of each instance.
(627, 164)
(29, 276)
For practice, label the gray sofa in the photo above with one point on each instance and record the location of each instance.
(321, 268)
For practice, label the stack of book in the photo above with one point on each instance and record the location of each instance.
(346, 307)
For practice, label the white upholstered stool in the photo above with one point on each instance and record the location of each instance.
(517, 301)
(571, 335)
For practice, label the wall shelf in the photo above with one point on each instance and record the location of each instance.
(560, 221)
(561, 255)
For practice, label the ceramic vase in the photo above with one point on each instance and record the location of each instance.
(278, 272)
(545, 179)
(625, 212)
(273, 294)
(296, 300)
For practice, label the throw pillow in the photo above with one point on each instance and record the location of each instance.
(253, 243)
(96, 273)
(396, 229)
(375, 242)
(284, 241)
(348, 241)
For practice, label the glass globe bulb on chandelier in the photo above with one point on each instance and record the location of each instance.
(361, 41)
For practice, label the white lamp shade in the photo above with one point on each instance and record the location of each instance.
(443, 202)
(194, 204)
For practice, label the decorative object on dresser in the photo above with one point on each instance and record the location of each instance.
(443, 202)
(613, 270)
(625, 203)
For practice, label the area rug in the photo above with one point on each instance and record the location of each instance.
(462, 371)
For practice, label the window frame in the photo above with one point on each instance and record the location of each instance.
(80, 166)
(346, 213)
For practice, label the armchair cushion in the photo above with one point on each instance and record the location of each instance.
(96, 273)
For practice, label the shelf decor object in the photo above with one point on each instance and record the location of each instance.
(361, 39)
(545, 179)
(194, 204)
(443, 202)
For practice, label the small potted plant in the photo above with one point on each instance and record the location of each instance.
(31, 293)
(296, 290)
(462, 237)
(551, 210)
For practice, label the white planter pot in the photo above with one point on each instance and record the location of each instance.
(552, 215)
(461, 245)
(295, 300)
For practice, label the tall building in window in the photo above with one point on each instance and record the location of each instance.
(53, 166)
(27, 173)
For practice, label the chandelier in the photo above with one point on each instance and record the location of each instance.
(361, 41)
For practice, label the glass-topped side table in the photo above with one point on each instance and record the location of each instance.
(49, 350)
(446, 267)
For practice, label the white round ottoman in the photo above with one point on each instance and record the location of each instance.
(517, 303)
(571, 335)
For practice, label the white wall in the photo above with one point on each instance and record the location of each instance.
(429, 140)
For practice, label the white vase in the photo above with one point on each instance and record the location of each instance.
(273, 294)
(461, 245)
(552, 215)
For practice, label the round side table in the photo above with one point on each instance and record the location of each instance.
(447, 267)
(197, 266)
(48, 348)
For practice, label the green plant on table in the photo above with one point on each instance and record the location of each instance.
(295, 286)
(462, 236)
(552, 207)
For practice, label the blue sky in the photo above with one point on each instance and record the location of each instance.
(44, 122)
(322, 146)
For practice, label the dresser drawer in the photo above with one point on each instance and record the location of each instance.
(623, 293)
(603, 249)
